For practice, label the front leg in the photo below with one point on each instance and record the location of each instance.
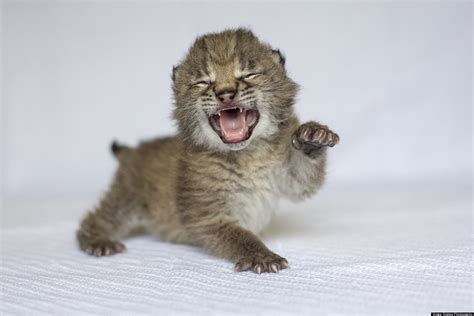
(305, 162)
(225, 238)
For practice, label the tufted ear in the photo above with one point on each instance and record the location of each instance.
(173, 74)
(278, 57)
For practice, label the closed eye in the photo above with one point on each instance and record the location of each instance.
(250, 75)
(202, 83)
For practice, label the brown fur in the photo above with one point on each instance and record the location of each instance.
(195, 189)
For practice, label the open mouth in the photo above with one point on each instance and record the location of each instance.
(235, 124)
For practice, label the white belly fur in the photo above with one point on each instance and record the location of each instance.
(254, 210)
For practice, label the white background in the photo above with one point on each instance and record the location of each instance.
(393, 79)
(390, 233)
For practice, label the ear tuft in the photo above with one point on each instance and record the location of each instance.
(173, 74)
(278, 57)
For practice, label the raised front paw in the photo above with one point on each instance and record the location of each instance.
(311, 136)
(261, 262)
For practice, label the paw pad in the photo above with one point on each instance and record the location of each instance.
(314, 135)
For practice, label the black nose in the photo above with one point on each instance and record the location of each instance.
(226, 96)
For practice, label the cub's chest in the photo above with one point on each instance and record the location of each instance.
(254, 201)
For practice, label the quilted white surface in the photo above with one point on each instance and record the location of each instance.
(394, 249)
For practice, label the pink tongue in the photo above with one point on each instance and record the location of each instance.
(233, 126)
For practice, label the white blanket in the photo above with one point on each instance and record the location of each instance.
(394, 250)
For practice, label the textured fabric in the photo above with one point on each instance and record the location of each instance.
(391, 249)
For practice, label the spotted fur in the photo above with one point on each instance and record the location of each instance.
(193, 188)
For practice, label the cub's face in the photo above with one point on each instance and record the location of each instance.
(230, 90)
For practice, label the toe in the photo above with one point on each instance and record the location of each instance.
(119, 247)
(258, 268)
(319, 136)
(296, 143)
(97, 252)
(330, 139)
(243, 265)
(107, 251)
(284, 263)
(306, 133)
(274, 267)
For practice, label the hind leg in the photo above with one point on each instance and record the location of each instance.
(102, 230)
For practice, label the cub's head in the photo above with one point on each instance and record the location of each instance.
(231, 89)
